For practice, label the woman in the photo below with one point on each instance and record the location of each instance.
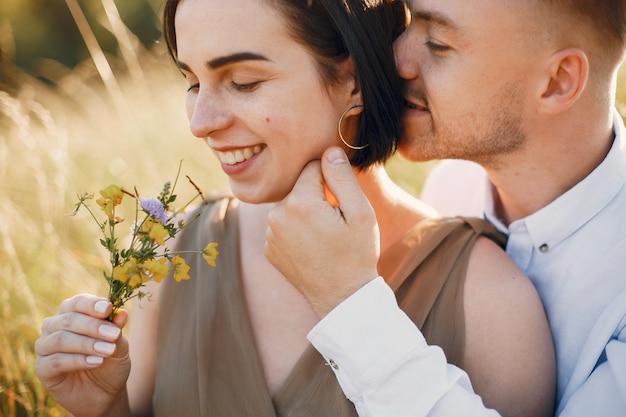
(271, 84)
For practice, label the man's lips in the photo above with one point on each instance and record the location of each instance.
(415, 106)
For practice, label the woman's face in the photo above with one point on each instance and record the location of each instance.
(255, 94)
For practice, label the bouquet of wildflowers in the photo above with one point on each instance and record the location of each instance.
(146, 256)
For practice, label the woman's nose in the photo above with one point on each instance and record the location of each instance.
(406, 58)
(207, 114)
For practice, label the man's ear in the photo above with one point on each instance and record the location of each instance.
(566, 78)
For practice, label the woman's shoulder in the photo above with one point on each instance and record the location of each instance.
(490, 271)
(466, 229)
(509, 352)
(216, 201)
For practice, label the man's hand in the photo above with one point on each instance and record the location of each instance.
(326, 250)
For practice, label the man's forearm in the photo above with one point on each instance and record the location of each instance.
(384, 365)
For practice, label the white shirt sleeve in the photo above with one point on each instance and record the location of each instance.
(384, 365)
(604, 393)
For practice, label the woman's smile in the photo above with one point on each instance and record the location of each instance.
(236, 156)
(238, 160)
(258, 99)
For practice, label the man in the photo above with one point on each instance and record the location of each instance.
(526, 89)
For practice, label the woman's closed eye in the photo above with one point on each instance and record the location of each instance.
(245, 87)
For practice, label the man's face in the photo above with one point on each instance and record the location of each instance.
(467, 67)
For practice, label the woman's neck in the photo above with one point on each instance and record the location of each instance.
(396, 210)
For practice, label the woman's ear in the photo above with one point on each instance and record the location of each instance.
(350, 81)
(566, 79)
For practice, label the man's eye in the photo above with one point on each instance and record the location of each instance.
(193, 87)
(436, 47)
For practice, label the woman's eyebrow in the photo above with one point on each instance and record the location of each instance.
(218, 62)
(222, 61)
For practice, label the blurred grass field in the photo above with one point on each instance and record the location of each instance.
(57, 142)
(80, 135)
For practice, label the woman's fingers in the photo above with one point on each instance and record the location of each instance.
(69, 342)
(80, 323)
(78, 337)
(87, 304)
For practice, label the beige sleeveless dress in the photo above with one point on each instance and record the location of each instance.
(207, 362)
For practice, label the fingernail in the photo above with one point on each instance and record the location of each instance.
(94, 360)
(109, 331)
(101, 306)
(336, 156)
(104, 347)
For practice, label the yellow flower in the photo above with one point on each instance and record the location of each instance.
(113, 192)
(157, 269)
(121, 272)
(155, 230)
(130, 274)
(136, 280)
(111, 197)
(210, 253)
(158, 233)
(181, 269)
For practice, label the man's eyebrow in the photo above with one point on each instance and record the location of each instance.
(436, 18)
(222, 61)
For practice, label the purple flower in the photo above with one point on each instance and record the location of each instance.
(154, 208)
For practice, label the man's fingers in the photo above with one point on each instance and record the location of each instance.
(310, 185)
(307, 199)
(340, 179)
(301, 206)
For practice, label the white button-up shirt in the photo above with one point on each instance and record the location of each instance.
(574, 251)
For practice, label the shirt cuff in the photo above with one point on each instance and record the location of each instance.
(366, 337)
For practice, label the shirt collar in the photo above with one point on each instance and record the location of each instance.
(562, 217)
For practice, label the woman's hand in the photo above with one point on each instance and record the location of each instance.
(82, 358)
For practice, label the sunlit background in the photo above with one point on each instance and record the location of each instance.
(88, 97)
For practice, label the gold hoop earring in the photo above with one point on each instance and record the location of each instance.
(356, 148)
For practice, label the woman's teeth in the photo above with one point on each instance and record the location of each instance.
(239, 155)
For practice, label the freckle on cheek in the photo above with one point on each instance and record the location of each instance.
(267, 120)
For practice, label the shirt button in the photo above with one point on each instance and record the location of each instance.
(333, 364)
(544, 248)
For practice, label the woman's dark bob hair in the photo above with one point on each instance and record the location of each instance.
(335, 30)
